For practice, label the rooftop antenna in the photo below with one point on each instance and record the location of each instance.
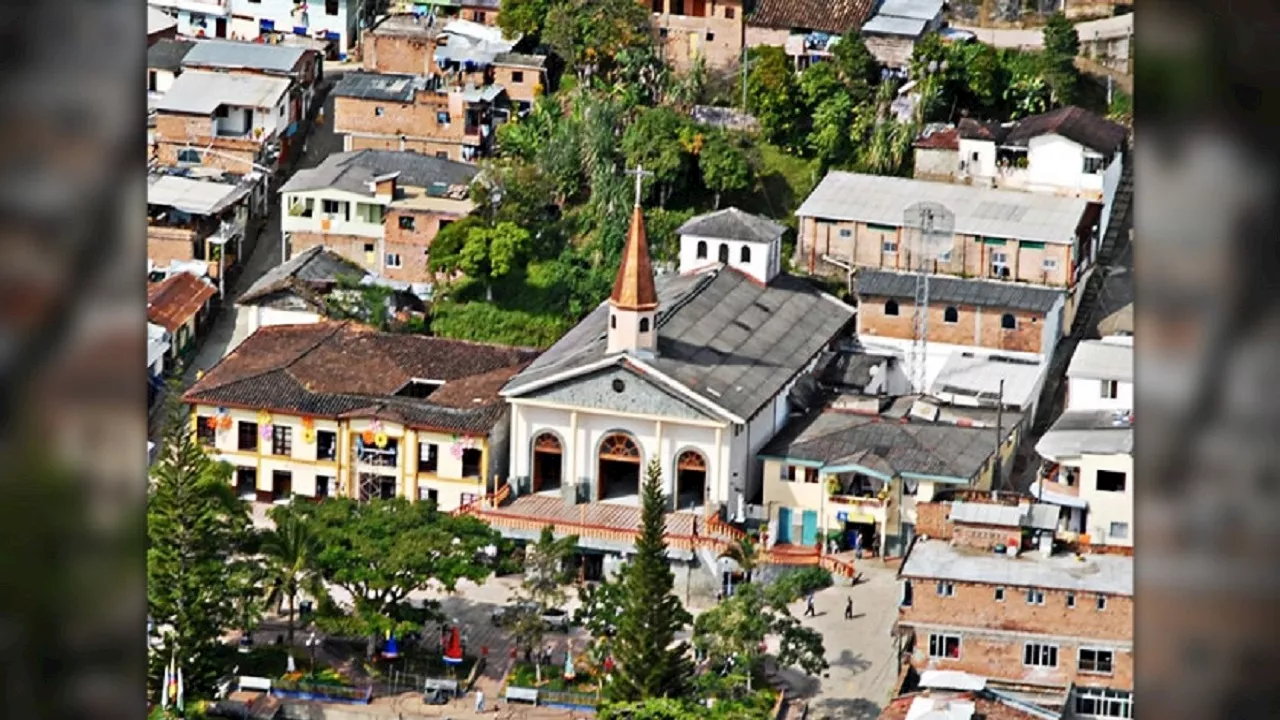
(929, 227)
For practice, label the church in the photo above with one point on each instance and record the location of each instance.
(691, 368)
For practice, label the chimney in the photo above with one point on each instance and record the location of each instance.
(384, 186)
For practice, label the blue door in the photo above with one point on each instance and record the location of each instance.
(809, 528)
(784, 525)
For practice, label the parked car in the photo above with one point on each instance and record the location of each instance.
(554, 618)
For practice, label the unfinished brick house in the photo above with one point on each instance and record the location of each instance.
(230, 121)
(689, 29)
(196, 220)
(995, 600)
(303, 66)
(378, 111)
(379, 209)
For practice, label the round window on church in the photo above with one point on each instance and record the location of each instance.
(618, 385)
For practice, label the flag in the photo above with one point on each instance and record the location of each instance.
(179, 693)
(173, 678)
(164, 686)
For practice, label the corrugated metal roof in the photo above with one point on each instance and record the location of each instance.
(159, 21)
(979, 376)
(1102, 360)
(201, 92)
(379, 86)
(978, 211)
(198, 197)
(353, 171)
(236, 54)
(901, 26)
(917, 9)
(732, 224)
(938, 560)
(986, 514)
(1088, 432)
(947, 289)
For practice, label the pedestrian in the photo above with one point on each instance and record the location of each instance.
(848, 608)
(479, 701)
(808, 606)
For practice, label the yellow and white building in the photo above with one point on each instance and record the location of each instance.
(336, 409)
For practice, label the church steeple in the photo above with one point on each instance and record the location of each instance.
(633, 304)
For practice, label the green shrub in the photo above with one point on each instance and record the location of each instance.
(798, 583)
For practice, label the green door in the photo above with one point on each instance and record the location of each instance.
(809, 528)
(784, 526)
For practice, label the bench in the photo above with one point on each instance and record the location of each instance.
(249, 682)
(529, 695)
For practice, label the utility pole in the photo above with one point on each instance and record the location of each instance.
(744, 77)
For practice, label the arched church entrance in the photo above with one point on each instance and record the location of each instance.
(691, 480)
(548, 464)
(619, 468)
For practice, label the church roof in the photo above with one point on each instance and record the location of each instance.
(733, 224)
(633, 288)
(723, 338)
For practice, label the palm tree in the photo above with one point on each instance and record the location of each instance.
(288, 549)
(745, 553)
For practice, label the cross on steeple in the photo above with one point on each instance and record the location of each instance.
(640, 174)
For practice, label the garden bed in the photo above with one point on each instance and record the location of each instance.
(324, 686)
(525, 675)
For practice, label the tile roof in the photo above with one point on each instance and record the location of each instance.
(172, 301)
(353, 171)
(601, 514)
(978, 211)
(341, 369)
(891, 25)
(936, 136)
(235, 54)
(939, 560)
(202, 92)
(167, 54)
(946, 289)
(831, 16)
(1074, 123)
(1102, 360)
(633, 286)
(379, 86)
(733, 224)
(300, 275)
(721, 335)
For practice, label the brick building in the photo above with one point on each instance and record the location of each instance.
(196, 220)
(379, 209)
(688, 29)
(243, 119)
(1014, 612)
(303, 66)
(804, 28)
(378, 111)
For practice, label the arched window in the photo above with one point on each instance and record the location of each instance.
(1008, 322)
(891, 307)
(950, 315)
(702, 249)
(613, 322)
(724, 253)
(745, 255)
(644, 324)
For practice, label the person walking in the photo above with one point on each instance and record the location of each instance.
(848, 608)
(808, 606)
(479, 701)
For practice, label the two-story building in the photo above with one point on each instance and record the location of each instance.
(334, 21)
(484, 12)
(805, 29)
(180, 305)
(853, 470)
(302, 66)
(197, 18)
(231, 121)
(380, 209)
(336, 409)
(198, 217)
(381, 111)
(999, 605)
(164, 63)
(892, 31)
(690, 29)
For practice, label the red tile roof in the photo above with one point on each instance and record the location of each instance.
(172, 301)
(945, 138)
(830, 16)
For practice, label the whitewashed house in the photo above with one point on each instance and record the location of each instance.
(1100, 376)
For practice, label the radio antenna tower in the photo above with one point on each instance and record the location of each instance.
(930, 231)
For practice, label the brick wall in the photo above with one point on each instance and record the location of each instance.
(1002, 658)
(932, 520)
(724, 47)
(482, 15)
(412, 244)
(165, 245)
(351, 247)
(417, 120)
(522, 90)
(452, 151)
(980, 327)
(397, 53)
(984, 537)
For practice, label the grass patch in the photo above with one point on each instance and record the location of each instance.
(525, 675)
(784, 182)
(261, 661)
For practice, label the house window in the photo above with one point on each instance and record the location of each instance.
(330, 7)
(442, 117)
(479, 17)
(378, 111)
(999, 594)
(329, 207)
(406, 222)
(1119, 530)
(281, 485)
(1104, 702)
(1094, 165)
(942, 645)
(711, 36)
(369, 247)
(1037, 655)
(393, 260)
(1049, 264)
(429, 495)
(728, 13)
(471, 462)
(151, 80)
(946, 589)
(1102, 602)
(644, 325)
(326, 445)
(944, 257)
(846, 232)
(1071, 600)
(999, 258)
(701, 251)
(889, 246)
(428, 457)
(811, 475)
(1035, 596)
(281, 440)
(205, 435)
(613, 322)
(517, 76)
(247, 435)
(1008, 321)
(662, 32)
(1094, 660)
(744, 255)
(789, 473)
(189, 156)
(951, 315)
(891, 308)
(1110, 389)
(1111, 481)
(906, 594)
(323, 484)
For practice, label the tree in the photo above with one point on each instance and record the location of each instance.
(1061, 45)
(829, 140)
(732, 635)
(773, 97)
(446, 247)
(745, 553)
(523, 17)
(289, 549)
(545, 575)
(591, 34)
(381, 551)
(857, 68)
(650, 663)
(651, 140)
(723, 165)
(196, 527)
(491, 253)
(982, 75)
